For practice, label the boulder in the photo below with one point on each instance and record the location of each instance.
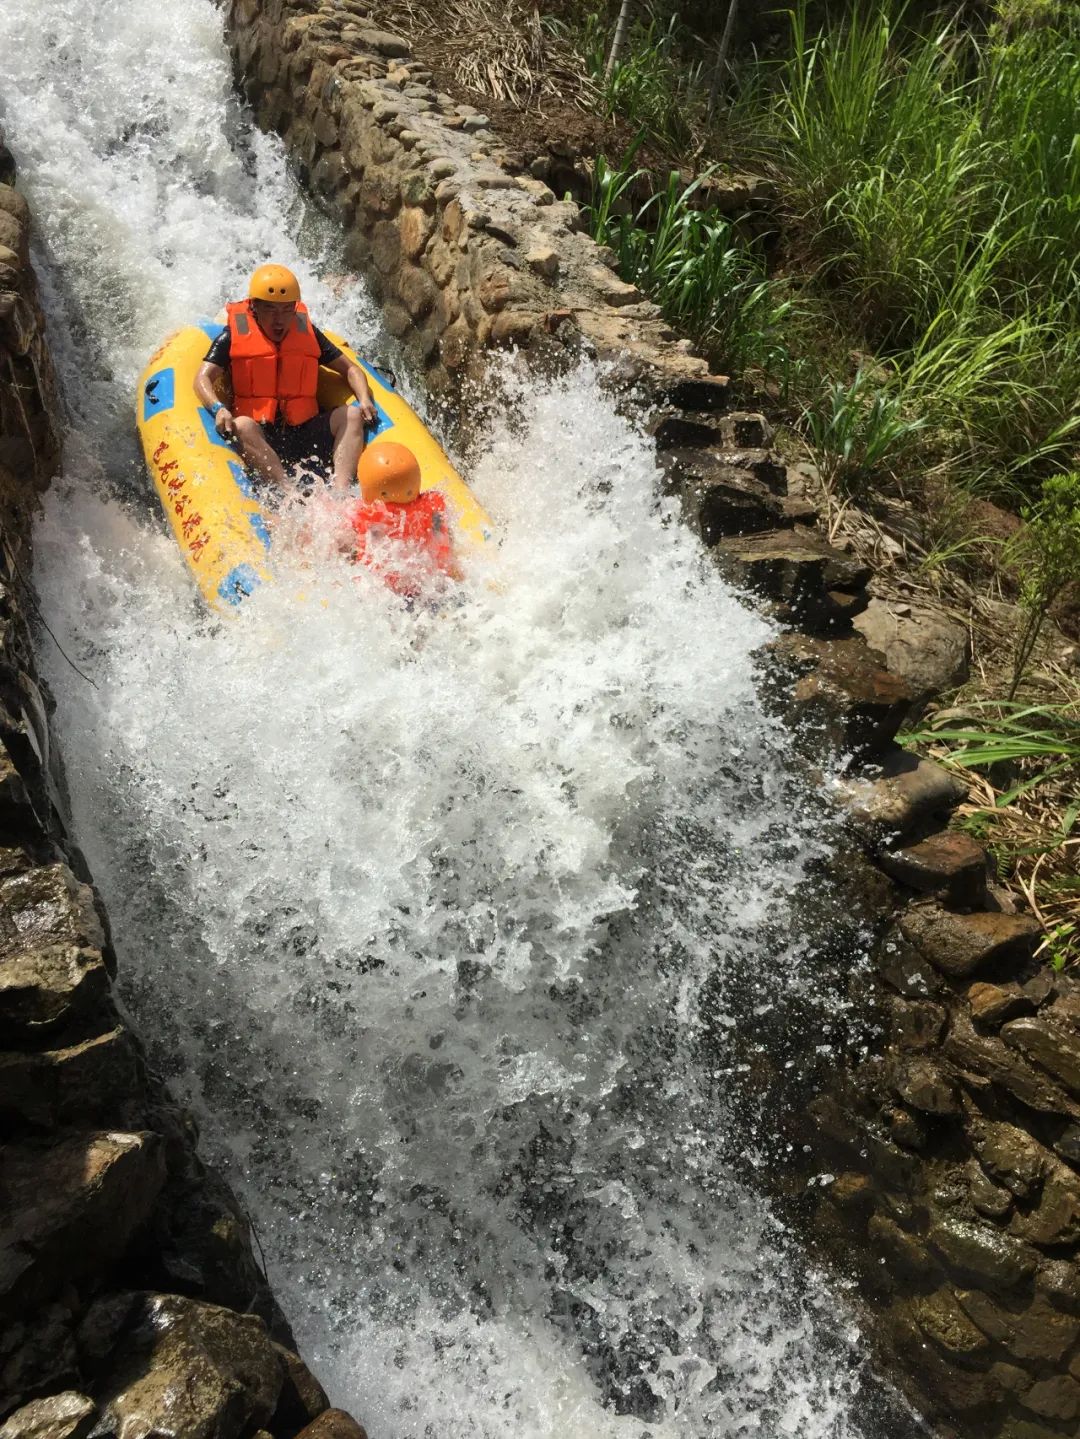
(1054, 1398)
(960, 944)
(1055, 1220)
(1012, 1157)
(813, 585)
(950, 864)
(70, 1209)
(44, 989)
(190, 1370)
(334, 1424)
(943, 1320)
(60, 1416)
(1029, 1332)
(992, 1004)
(90, 1082)
(923, 1084)
(838, 693)
(907, 791)
(987, 1055)
(920, 643)
(977, 1254)
(302, 1397)
(1054, 1049)
(915, 1024)
(718, 500)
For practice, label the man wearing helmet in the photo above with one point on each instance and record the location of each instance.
(272, 353)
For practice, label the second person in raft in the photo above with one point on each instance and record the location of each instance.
(402, 535)
(272, 353)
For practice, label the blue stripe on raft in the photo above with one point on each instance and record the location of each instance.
(210, 328)
(243, 480)
(256, 520)
(238, 584)
(382, 424)
(211, 430)
(375, 374)
(159, 393)
(258, 524)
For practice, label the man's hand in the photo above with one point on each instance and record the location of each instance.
(224, 423)
(368, 410)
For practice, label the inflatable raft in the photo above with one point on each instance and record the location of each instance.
(207, 493)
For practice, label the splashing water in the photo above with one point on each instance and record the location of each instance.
(433, 919)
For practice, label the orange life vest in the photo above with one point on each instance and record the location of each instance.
(269, 379)
(405, 544)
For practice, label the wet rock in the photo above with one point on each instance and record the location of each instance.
(908, 791)
(1049, 1046)
(921, 644)
(992, 1004)
(950, 864)
(1012, 1157)
(1055, 1398)
(718, 501)
(1059, 1281)
(901, 965)
(747, 429)
(1024, 1429)
(916, 1024)
(943, 1320)
(38, 1356)
(989, 1056)
(990, 1199)
(980, 1255)
(797, 570)
(960, 944)
(1035, 1332)
(71, 1209)
(334, 1424)
(302, 1397)
(923, 1084)
(904, 1254)
(82, 1083)
(840, 695)
(60, 1416)
(188, 1369)
(46, 988)
(1056, 1218)
(1067, 1143)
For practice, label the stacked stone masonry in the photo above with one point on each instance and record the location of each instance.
(957, 1147)
(129, 1298)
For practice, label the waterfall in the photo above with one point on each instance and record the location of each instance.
(442, 925)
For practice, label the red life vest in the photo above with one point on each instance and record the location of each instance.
(268, 378)
(405, 545)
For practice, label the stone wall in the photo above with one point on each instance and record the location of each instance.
(129, 1298)
(955, 1201)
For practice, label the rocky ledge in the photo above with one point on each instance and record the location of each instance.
(130, 1301)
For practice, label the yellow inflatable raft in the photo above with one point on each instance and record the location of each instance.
(205, 490)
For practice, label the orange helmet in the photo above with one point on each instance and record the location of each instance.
(388, 471)
(274, 283)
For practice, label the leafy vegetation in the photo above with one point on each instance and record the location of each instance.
(1022, 759)
(690, 262)
(1046, 552)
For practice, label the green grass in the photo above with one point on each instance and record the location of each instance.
(938, 176)
(689, 260)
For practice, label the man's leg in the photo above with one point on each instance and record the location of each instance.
(258, 453)
(347, 428)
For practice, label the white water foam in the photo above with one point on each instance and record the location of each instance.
(437, 921)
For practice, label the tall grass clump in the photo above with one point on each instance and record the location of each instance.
(937, 176)
(655, 86)
(690, 262)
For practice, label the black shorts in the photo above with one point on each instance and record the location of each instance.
(313, 440)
